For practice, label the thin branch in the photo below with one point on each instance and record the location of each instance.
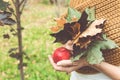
(18, 14)
(13, 29)
(23, 5)
(12, 12)
(21, 2)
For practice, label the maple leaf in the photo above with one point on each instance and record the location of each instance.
(93, 53)
(92, 33)
(83, 21)
(62, 36)
(91, 13)
(73, 15)
(71, 30)
(60, 24)
(93, 29)
(66, 34)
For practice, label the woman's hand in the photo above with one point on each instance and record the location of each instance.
(67, 65)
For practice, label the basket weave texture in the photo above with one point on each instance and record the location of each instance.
(109, 10)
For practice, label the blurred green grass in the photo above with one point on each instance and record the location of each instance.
(37, 43)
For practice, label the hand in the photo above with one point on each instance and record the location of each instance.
(67, 65)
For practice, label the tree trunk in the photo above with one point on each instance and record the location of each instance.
(19, 35)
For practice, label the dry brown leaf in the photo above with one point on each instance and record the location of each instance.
(92, 30)
(83, 42)
(76, 28)
(76, 31)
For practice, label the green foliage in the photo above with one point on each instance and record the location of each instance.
(94, 54)
(72, 13)
(94, 51)
(91, 13)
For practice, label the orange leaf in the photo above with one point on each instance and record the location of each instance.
(60, 21)
(54, 29)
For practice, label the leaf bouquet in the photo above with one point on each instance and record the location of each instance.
(86, 34)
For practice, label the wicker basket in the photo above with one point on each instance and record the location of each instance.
(110, 10)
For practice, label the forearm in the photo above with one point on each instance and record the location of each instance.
(108, 69)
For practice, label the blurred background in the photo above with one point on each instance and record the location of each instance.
(37, 19)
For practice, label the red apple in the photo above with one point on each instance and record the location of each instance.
(61, 54)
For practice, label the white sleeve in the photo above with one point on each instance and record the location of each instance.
(98, 76)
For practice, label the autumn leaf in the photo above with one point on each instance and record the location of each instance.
(60, 21)
(54, 29)
(83, 42)
(93, 29)
(71, 31)
(75, 30)
(66, 34)
(62, 36)
(86, 36)
(60, 24)
(90, 34)
(94, 51)
(83, 21)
